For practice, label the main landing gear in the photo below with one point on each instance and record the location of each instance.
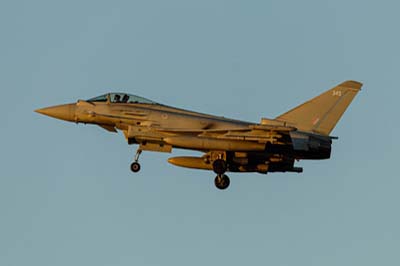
(135, 166)
(221, 181)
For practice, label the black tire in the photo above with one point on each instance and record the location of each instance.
(220, 166)
(135, 167)
(222, 182)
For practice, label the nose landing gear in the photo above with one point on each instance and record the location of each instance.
(135, 166)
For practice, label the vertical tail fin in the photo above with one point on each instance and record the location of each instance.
(322, 113)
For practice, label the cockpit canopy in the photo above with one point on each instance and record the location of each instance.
(121, 98)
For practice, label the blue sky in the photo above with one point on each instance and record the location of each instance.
(67, 196)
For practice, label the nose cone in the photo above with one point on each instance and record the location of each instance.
(65, 112)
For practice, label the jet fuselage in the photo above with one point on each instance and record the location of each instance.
(273, 145)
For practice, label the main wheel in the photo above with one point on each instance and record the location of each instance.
(135, 167)
(222, 182)
(220, 166)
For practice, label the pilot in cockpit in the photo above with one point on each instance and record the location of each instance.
(125, 98)
(117, 98)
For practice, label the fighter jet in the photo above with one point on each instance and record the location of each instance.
(228, 145)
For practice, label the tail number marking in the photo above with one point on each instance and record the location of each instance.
(337, 93)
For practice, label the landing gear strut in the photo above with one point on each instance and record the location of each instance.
(220, 166)
(135, 166)
(222, 181)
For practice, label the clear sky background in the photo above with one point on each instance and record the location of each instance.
(67, 196)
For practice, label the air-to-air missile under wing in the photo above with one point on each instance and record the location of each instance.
(228, 145)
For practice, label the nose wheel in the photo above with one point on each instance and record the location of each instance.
(222, 182)
(135, 166)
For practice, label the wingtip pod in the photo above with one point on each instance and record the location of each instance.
(352, 84)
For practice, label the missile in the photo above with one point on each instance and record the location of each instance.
(197, 143)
